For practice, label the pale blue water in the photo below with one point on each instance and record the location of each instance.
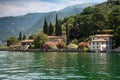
(59, 66)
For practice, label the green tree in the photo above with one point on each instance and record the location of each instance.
(39, 40)
(45, 27)
(58, 28)
(24, 37)
(88, 10)
(20, 36)
(51, 29)
(67, 33)
(75, 41)
(98, 21)
(85, 27)
(12, 41)
(74, 33)
(114, 18)
(74, 24)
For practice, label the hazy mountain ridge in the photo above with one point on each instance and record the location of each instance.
(33, 22)
(66, 12)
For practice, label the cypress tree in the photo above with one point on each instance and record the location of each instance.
(20, 36)
(58, 28)
(67, 33)
(24, 37)
(51, 29)
(74, 24)
(45, 27)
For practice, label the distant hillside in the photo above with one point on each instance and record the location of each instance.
(33, 22)
(11, 26)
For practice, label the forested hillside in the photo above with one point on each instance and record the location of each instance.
(101, 19)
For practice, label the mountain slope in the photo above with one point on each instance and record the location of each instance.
(66, 12)
(33, 22)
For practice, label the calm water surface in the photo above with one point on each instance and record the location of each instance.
(59, 66)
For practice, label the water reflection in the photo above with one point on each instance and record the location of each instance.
(59, 65)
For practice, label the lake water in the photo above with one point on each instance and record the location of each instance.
(59, 66)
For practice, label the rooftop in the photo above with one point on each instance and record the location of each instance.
(50, 43)
(54, 37)
(17, 45)
(83, 43)
(28, 40)
(103, 35)
(100, 40)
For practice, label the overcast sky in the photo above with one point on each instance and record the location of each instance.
(21, 7)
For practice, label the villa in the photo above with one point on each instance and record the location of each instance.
(25, 44)
(54, 40)
(102, 42)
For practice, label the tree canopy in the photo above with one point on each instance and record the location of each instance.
(12, 41)
(40, 39)
(45, 27)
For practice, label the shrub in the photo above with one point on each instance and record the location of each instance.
(72, 46)
(61, 45)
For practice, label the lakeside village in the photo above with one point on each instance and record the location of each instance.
(102, 42)
(94, 29)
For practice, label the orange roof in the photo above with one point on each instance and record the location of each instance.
(83, 43)
(54, 37)
(49, 42)
(59, 39)
(28, 40)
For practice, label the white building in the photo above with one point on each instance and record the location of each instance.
(101, 42)
(26, 43)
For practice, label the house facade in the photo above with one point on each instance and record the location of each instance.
(54, 41)
(25, 44)
(102, 42)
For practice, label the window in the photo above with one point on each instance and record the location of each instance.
(106, 42)
(106, 47)
(110, 43)
(97, 43)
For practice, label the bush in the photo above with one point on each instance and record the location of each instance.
(85, 49)
(31, 46)
(52, 46)
(72, 46)
(75, 41)
(61, 45)
(12, 41)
